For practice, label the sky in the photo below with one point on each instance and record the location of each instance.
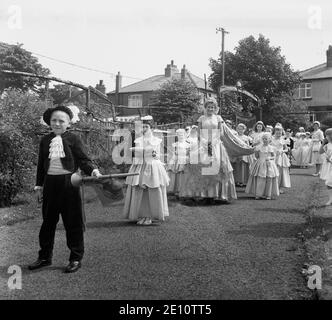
(139, 38)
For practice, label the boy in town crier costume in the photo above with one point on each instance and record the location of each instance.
(61, 153)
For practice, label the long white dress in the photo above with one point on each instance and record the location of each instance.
(307, 145)
(317, 139)
(282, 161)
(212, 175)
(263, 180)
(209, 173)
(146, 194)
(326, 172)
(301, 152)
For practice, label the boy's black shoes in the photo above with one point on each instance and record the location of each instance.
(39, 263)
(73, 266)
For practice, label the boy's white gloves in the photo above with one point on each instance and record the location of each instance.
(96, 173)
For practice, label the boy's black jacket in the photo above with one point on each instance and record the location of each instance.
(75, 156)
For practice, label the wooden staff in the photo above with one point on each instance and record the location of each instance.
(77, 179)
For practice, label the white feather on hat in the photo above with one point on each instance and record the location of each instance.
(75, 111)
(41, 121)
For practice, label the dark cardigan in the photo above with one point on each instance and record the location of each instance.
(75, 156)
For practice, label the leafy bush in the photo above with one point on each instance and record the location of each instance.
(16, 160)
(19, 128)
(9, 188)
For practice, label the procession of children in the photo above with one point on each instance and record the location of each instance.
(207, 162)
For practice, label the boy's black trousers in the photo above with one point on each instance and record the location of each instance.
(60, 197)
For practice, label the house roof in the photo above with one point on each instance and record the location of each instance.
(318, 72)
(153, 83)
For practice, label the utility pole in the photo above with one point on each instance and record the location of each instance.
(223, 32)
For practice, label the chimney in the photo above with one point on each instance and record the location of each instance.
(101, 87)
(183, 72)
(329, 57)
(118, 82)
(170, 70)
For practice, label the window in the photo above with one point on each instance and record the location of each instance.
(304, 91)
(135, 100)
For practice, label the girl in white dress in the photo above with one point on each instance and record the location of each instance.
(211, 177)
(177, 162)
(242, 164)
(307, 145)
(146, 196)
(263, 180)
(281, 159)
(326, 172)
(300, 151)
(259, 129)
(210, 173)
(294, 150)
(316, 158)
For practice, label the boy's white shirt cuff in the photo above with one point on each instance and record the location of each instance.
(95, 171)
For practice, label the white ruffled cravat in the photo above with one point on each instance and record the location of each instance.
(56, 148)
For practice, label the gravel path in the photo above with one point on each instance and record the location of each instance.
(246, 250)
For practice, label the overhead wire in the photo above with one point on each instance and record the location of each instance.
(77, 65)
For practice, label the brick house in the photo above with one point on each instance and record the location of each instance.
(137, 98)
(315, 90)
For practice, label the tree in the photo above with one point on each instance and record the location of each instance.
(176, 100)
(15, 58)
(326, 123)
(291, 113)
(261, 68)
(23, 111)
(61, 93)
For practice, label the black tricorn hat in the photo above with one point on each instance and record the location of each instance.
(48, 113)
